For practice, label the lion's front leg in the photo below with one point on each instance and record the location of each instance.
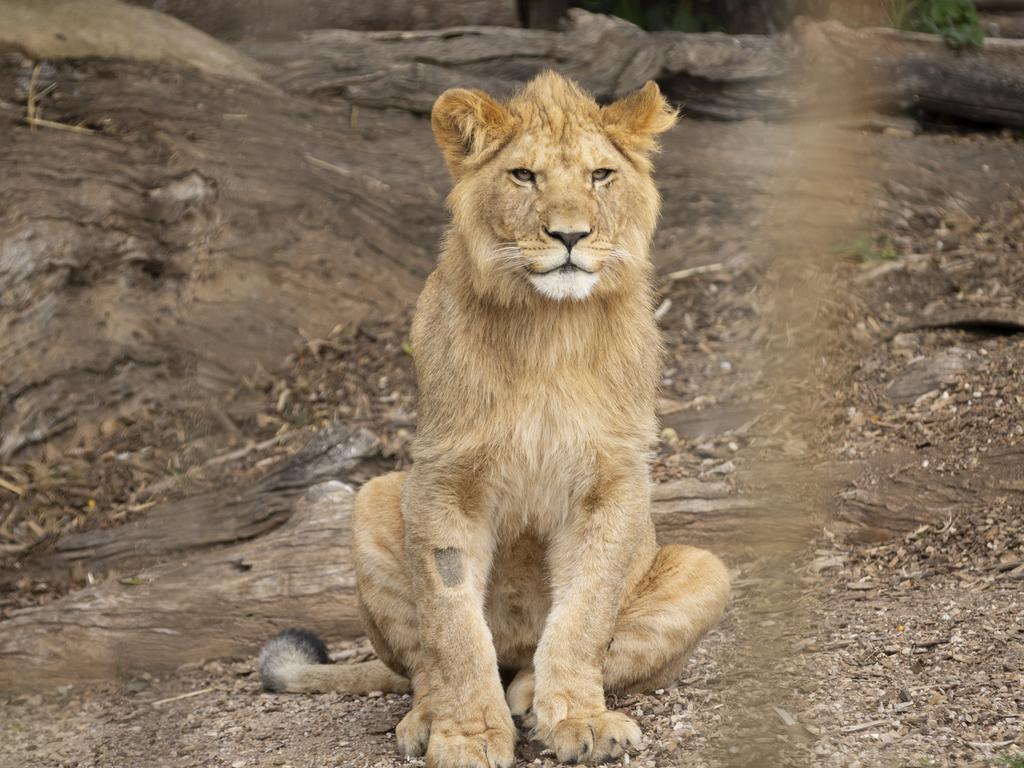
(589, 561)
(449, 549)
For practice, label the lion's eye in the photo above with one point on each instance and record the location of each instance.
(523, 175)
(602, 174)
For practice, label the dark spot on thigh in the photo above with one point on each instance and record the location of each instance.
(449, 566)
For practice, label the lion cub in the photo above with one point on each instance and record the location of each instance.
(521, 539)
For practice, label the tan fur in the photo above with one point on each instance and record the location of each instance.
(522, 535)
(362, 678)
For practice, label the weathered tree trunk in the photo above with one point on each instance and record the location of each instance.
(224, 516)
(219, 603)
(63, 29)
(710, 75)
(187, 236)
(906, 495)
(918, 72)
(236, 19)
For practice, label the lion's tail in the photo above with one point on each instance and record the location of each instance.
(296, 661)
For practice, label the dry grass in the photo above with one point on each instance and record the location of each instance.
(33, 112)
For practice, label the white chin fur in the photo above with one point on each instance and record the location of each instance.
(565, 285)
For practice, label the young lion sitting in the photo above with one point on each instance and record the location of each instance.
(521, 539)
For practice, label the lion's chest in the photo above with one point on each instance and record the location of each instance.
(546, 459)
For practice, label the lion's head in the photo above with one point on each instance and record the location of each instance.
(553, 193)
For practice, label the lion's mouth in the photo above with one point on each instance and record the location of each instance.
(566, 267)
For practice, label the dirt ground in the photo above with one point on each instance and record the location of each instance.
(903, 650)
(906, 654)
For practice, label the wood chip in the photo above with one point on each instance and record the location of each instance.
(17, 490)
(863, 726)
(663, 308)
(861, 585)
(787, 719)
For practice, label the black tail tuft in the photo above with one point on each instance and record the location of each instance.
(285, 653)
(309, 643)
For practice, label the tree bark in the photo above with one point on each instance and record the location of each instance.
(62, 29)
(907, 496)
(190, 233)
(908, 71)
(237, 19)
(219, 603)
(710, 75)
(225, 516)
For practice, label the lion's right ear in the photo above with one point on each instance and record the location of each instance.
(634, 121)
(466, 123)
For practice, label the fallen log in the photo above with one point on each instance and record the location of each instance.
(710, 75)
(219, 603)
(237, 19)
(224, 516)
(607, 55)
(910, 71)
(1007, 25)
(225, 601)
(907, 495)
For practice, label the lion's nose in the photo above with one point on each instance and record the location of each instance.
(569, 239)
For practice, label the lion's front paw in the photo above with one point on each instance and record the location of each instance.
(593, 738)
(520, 693)
(414, 731)
(460, 745)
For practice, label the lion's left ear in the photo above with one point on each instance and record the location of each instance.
(635, 120)
(466, 123)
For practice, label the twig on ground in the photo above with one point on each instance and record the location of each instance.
(37, 121)
(242, 452)
(17, 490)
(345, 173)
(180, 696)
(787, 719)
(863, 726)
(663, 308)
(682, 274)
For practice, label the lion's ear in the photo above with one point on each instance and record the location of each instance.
(465, 124)
(636, 119)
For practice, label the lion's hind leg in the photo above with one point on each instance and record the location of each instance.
(663, 617)
(386, 597)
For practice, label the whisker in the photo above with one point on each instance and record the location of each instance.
(504, 252)
(620, 254)
(504, 258)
